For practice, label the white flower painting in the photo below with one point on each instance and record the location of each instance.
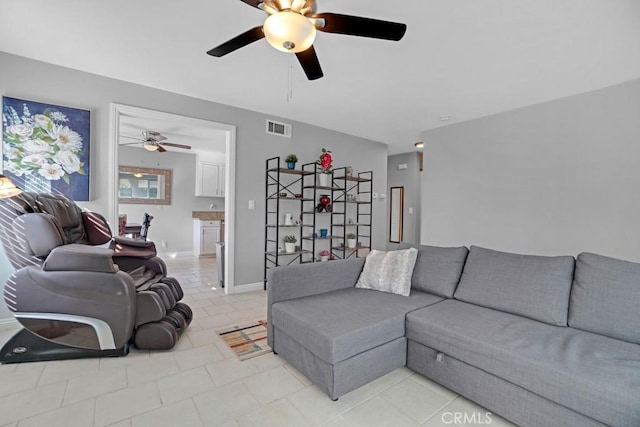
(47, 142)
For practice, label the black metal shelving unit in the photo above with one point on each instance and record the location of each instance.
(281, 186)
(353, 196)
(350, 195)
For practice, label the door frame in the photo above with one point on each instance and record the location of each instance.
(119, 110)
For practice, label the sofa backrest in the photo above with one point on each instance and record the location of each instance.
(437, 270)
(605, 297)
(536, 287)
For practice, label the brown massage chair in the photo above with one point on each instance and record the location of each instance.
(75, 299)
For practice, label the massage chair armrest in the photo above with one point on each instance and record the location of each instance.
(76, 257)
(123, 246)
(127, 241)
(131, 263)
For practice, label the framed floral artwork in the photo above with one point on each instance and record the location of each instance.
(46, 147)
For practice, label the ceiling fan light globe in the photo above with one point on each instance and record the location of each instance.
(289, 32)
(150, 147)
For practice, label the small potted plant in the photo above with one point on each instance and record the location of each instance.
(326, 168)
(324, 255)
(291, 161)
(351, 240)
(290, 243)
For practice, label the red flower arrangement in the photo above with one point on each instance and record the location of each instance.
(326, 161)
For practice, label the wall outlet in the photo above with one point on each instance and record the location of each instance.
(252, 205)
(164, 244)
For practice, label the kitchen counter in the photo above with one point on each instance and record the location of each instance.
(208, 215)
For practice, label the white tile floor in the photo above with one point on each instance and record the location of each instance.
(201, 383)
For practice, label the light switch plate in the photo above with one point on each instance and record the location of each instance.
(252, 205)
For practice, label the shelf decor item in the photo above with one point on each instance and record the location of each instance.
(323, 233)
(351, 240)
(291, 160)
(290, 243)
(288, 219)
(326, 168)
(324, 255)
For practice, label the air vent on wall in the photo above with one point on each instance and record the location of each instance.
(277, 128)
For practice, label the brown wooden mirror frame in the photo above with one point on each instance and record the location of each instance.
(162, 178)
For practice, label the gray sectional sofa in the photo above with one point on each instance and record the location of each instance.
(541, 341)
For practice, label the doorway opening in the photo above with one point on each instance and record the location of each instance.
(206, 139)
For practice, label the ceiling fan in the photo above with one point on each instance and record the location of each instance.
(291, 27)
(152, 141)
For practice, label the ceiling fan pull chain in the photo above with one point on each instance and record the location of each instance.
(290, 80)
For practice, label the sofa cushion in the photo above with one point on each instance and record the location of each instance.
(438, 269)
(605, 297)
(340, 324)
(591, 374)
(388, 271)
(537, 287)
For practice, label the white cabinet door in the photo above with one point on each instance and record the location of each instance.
(209, 237)
(205, 236)
(207, 177)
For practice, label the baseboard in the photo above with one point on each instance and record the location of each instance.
(249, 287)
(183, 254)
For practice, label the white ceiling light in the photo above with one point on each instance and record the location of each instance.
(149, 146)
(419, 144)
(289, 31)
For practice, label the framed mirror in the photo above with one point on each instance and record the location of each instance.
(144, 186)
(396, 207)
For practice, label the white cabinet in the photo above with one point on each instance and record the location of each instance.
(210, 179)
(205, 236)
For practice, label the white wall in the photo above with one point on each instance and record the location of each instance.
(172, 223)
(38, 81)
(555, 178)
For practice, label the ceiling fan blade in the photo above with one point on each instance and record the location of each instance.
(172, 144)
(363, 27)
(253, 3)
(129, 137)
(310, 64)
(161, 149)
(132, 143)
(236, 43)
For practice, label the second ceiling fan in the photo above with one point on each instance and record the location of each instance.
(153, 141)
(291, 27)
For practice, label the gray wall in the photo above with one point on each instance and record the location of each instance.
(172, 223)
(24, 78)
(409, 178)
(555, 178)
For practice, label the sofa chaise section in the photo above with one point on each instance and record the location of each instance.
(345, 338)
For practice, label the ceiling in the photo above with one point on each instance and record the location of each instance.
(463, 58)
(200, 138)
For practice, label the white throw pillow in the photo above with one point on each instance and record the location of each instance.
(388, 271)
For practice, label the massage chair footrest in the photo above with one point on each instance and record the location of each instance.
(25, 346)
(164, 333)
(160, 335)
